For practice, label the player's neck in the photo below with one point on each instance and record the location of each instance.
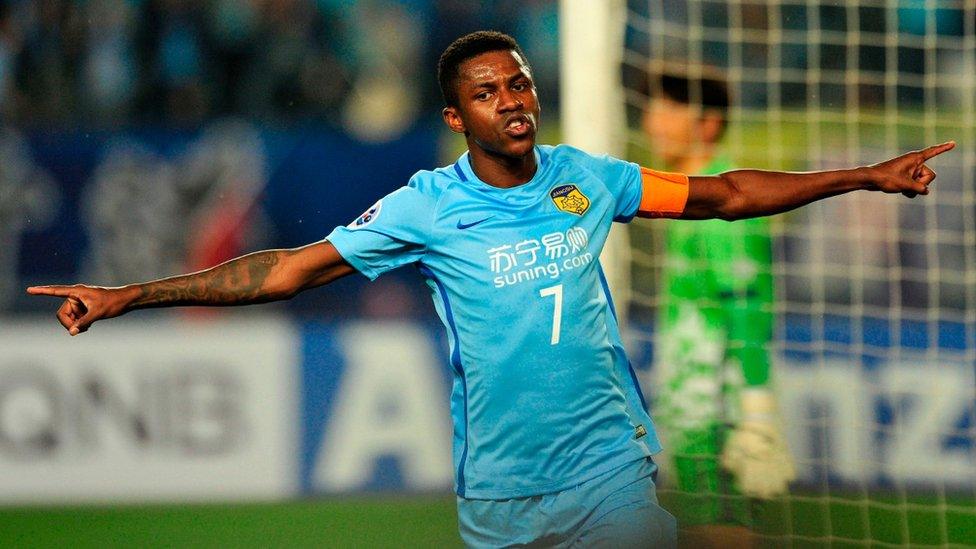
(500, 171)
(694, 163)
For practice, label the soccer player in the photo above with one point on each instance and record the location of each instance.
(714, 328)
(552, 444)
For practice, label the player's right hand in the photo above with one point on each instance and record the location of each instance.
(83, 305)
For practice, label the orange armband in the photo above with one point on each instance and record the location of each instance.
(664, 194)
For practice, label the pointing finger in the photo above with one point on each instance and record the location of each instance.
(936, 150)
(61, 291)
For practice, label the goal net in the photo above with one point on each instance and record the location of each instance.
(874, 347)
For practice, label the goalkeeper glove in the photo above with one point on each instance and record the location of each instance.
(756, 451)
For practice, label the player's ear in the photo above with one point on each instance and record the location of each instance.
(453, 119)
(647, 118)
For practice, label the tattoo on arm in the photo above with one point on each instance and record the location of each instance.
(240, 281)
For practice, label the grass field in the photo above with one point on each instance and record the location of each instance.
(804, 522)
(359, 522)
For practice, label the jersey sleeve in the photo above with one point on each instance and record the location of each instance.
(641, 190)
(391, 233)
(623, 180)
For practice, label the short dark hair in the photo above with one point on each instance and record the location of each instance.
(707, 87)
(464, 48)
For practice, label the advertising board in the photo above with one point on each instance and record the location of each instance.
(147, 411)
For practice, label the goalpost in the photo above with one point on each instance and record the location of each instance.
(592, 114)
(875, 347)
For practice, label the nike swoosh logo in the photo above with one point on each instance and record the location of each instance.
(463, 226)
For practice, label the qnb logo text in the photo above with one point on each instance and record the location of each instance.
(193, 411)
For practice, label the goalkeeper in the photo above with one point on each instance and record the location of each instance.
(712, 366)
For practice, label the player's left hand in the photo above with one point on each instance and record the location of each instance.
(756, 452)
(907, 174)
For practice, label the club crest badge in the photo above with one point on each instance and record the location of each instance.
(367, 217)
(569, 198)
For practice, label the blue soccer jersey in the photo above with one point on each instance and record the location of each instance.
(544, 397)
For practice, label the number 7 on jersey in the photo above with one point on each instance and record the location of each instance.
(557, 311)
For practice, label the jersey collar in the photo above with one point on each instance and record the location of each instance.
(466, 173)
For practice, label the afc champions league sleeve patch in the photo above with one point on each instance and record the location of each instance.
(368, 216)
(570, 199)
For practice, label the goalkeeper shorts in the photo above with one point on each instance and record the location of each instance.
(616, 509)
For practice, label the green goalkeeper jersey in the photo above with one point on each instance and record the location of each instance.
(714, 328)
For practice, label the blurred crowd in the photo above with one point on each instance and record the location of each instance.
(112, 62)
(367, 63)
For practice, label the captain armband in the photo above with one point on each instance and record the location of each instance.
(665, 194)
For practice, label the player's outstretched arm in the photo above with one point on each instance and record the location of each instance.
(258, 277)
(740, 194)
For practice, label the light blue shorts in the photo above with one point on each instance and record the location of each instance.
(616, 509)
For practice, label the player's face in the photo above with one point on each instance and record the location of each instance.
(673, 129)
(498, 109)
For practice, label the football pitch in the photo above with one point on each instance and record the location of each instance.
(430, 521)
(390, 521)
